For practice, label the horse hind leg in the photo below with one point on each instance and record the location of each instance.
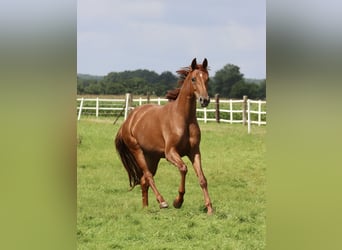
(148, 167)
(152, 163)
(149, 182)
(196, 161)
(144, 191)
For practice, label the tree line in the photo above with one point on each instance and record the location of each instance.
(229, 82)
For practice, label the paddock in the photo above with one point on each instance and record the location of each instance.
(109, 216)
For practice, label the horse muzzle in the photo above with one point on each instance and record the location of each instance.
(204, 101)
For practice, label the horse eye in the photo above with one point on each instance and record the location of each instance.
(193, 79)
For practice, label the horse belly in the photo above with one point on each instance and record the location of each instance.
(152, 142)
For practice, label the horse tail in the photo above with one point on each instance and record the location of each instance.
(128, 160)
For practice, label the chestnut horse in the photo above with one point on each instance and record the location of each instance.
(171, 131)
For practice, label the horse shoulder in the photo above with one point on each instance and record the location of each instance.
(194, 134)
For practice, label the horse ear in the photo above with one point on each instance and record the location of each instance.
(194, 64)
(205, 63)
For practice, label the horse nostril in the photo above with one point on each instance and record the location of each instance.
(204, 101)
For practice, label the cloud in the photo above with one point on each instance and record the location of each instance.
(103, 14)
(165, 35)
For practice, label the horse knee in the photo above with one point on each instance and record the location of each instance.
(183, 169)
(148, 178)
(203, 182)
(144, 183)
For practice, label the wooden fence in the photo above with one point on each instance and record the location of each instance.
(243, 111)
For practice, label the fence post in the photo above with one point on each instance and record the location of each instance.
(148, 97)
(217, 108)
(231, 111)
(259, 113)
(244, 110)
(205, 115)
(249, 117)
(128, 104)
(97, 107)
(80, 110)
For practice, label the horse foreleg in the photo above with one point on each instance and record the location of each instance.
(177, 203)
(196, 161)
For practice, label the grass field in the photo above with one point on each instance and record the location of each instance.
(111, 217)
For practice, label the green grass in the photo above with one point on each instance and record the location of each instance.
(111, 217)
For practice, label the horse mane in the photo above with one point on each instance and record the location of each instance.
(172, 95)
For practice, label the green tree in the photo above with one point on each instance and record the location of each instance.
(262, 90)
(80, 87)
(252, 90)
(239, 90)
(137, 86)
(228, 82)
(84, 85)
(225, 78)
(136, 82)
(166, 81)
(94, 89)
(114, 88)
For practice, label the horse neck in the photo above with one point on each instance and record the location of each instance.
(185, 104)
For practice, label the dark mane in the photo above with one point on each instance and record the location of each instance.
(182, 74)
(172, 94)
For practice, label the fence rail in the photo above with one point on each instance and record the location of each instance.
(244, 111)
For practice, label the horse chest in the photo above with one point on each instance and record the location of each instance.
(186, 137)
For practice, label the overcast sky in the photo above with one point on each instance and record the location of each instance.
(118, 35)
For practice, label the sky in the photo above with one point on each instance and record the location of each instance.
(118, 35)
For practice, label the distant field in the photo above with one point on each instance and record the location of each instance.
(111, 217)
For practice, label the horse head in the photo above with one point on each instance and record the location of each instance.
(199, 78)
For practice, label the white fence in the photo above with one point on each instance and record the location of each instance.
(119, 105)
(244, 111)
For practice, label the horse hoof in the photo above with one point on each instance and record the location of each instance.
(163, 204)
(177, 204)
(210, 211)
